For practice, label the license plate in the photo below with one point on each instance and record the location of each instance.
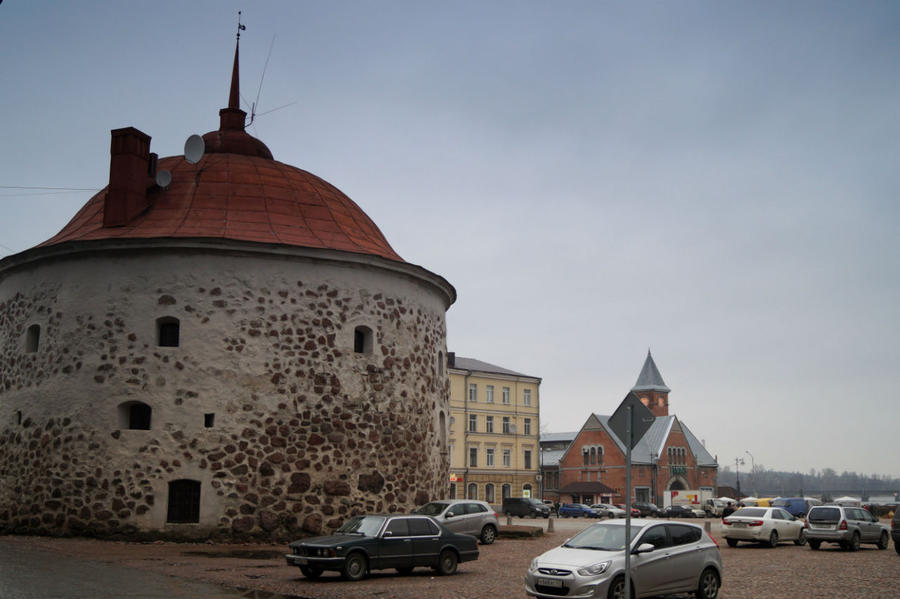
(739, 525)
(549, 582)
(301, 561)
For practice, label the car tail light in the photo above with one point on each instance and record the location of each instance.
(726, 522)
(843, 525)
(496, 515)
(755, 523)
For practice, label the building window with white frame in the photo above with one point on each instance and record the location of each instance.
(527, 459)
(473, 457)
(488, 424)
(473, 392)
(506, 458)
(489, 394)
(528, 426)
(506, 426)
(526, 397)
(489, 457)
(506, 395)
(473, 423)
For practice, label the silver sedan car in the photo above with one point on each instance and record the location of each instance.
(666, 557)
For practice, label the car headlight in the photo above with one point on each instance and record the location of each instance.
(534, 565)
(595, 569)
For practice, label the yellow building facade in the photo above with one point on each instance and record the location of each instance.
(494, 432)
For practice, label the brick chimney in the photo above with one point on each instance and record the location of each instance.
(129, 166)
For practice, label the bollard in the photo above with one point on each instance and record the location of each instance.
(550, 524)
(708, 527)
(508, 520)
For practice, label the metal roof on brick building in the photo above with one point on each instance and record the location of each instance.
(650, 379)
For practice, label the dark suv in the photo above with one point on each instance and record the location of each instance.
(525, 507)
(846, 526)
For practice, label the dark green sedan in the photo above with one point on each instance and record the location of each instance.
(365, 543)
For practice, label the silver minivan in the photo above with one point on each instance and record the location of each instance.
(846, 526)
(666, 558)
(465, 516)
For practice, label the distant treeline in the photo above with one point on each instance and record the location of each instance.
(825, 482)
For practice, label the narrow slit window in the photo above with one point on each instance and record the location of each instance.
(362, 340)
(168, 332)
(209, 420)
(32, 338)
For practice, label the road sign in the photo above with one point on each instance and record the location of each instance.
(641, 419)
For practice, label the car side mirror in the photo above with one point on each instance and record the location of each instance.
(449, 515)
(643, 548)
(388, 533)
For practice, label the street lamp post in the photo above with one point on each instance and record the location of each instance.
(737, 467)
(654, 462)
(752, 468)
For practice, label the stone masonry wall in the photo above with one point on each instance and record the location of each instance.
(306, 431)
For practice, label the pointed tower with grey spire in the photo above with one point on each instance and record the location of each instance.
(651, 388)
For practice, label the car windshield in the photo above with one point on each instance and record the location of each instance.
(362, 525)
(781, 503)
(432, 509)
(750, 512)
(535, 502)
(602, 537)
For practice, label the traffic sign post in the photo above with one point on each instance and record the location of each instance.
(630, 422)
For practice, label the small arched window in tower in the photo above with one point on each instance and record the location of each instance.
(593, 455)
(362, 340)
(168, 332)
(442, 423)
(135, 415)
(32, 338)
(600, 455)
(586, 455)
(440, 363)
(184, 501)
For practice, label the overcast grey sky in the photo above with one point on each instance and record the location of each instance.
(716, 181)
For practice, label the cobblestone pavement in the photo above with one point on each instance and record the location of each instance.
(750, 571)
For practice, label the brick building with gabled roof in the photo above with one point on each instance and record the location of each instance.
(592, 467)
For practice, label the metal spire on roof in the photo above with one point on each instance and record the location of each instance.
(649, 379)
(234, 98)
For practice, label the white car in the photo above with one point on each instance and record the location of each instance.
(610, 510)
(666, 558)
(767, 525)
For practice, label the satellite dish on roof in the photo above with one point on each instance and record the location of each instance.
(194, 148)
(163, 178)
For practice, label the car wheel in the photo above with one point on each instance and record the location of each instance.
(533, 515)
(814, 545)
(617, 588)
(547, 515)
(488, 534)
(355, 567)
(883, 540)
(732, 542)
(773, 539)
(853, 545)
(405, 571)
(801, 538)
(896, 547)
(709, 585)
(447, 562)
(311, 572)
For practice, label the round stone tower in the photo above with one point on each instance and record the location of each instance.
(236, 353)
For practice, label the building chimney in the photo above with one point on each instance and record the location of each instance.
(129, 166)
